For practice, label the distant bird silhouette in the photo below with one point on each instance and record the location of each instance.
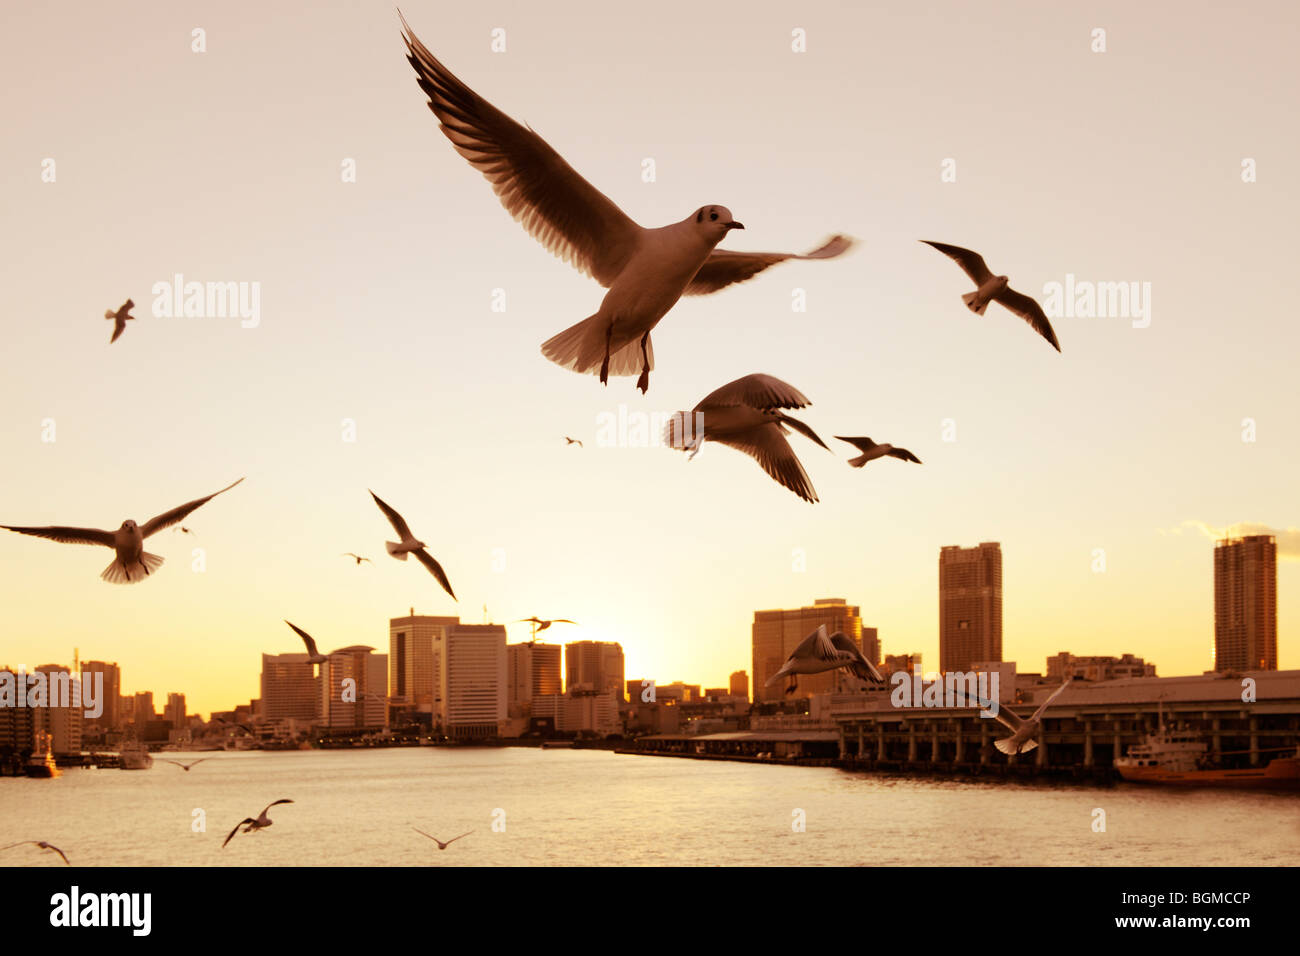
(646, 270)
(39, 843)
(1022, 731)
(349, 554)
(572, 441)
(120, 318)
(871, 451)
(818, 653)
(133, 563)
(441, 844)
(251, 825)
(746, 414)
(538, 624)
(991, 288)
(184, 766)
(313, 656)
(182, 529)
(409, 545)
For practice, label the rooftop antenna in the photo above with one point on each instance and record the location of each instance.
(485, 617)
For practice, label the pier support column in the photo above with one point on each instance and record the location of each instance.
(862, 741)
(934, 741)
(1087, 743)
(1040, 759)
(911, 740)
(984, 743)
(1254, 742)
(961, 750)
(880, 741)
(1216, 736)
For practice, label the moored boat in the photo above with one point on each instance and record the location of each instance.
(41, 763)
(1181, 758)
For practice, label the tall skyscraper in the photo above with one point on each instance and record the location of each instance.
(776, 634)
(62, 723)
(970, 605)
(354, 689)
(111, 718)
(1245, 603)
(594, 667)
(474, 688)
(175, 713)
(290, 688)
(532, 670)
(142, 709)
(739, 684)
(416, 647)
(871, 644)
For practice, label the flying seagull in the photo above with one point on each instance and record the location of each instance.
(645, 270)
(991, 288)
(409, 545)
(746, 414)
(250, 825)
(133, 563)
(349, 554)
(184, 766)
(120, 318)
(313, 656)
(40, 843)
(540, 625)
(441, 844)
(820, 653)
(1023, 731)
(572, 441)
(871, 451)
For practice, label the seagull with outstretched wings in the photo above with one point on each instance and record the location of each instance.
(410, 545)
(1023, 731)
(991, 288)
(441, 844)
(120, 318)
(820, 652)
(37, 843)
(313, 656)
(645, 270)
(871, 451)
(132, 564)
(253, 824)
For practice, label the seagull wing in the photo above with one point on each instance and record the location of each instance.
(168, 518)
(455, 838)
(396, 520)
(1048, 703)
(724, 267)
(429, 835)
(1029, 310)
(768, 446)
(231, 836)
(972, 263)
(425, 558)
(277, 803)
(861, 444)
(861, 668)
(69, 535)
(562, 620)
(306, 639)
(756, 391)
(904, 454)
(1005, 716)
(119, 326)
(561, 210)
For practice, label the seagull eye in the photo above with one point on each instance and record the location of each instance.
(713, 215)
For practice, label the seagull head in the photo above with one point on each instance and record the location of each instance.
(715, 222)
(129, 525)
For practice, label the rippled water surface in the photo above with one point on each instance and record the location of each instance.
(599, 808)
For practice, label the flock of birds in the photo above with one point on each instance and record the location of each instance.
(645, 271)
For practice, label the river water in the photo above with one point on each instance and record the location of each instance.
(572, 807)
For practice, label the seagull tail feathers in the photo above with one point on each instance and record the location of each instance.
(395, 550)
(974, 304)
(581, 348)
(1006, 745)
(133, 573)
(859, 461)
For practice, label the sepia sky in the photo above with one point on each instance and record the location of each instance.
(376, 306)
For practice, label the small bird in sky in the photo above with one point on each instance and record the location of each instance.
(746, 414)
(182, 529)
(251, 825)
(313, 656)
(359, 558)
(645, 270)
(441, 844)
(39, 843)
(871, 451)
(1023, 731)
(540, 625)
(120, 318)
(409, 545)
(132, 564)
(818, 653)
(991, 288)
(572, 441)
(184, 766)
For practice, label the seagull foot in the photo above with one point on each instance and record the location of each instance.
(643, 382)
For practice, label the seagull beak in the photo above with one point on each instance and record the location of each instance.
(735, 225)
